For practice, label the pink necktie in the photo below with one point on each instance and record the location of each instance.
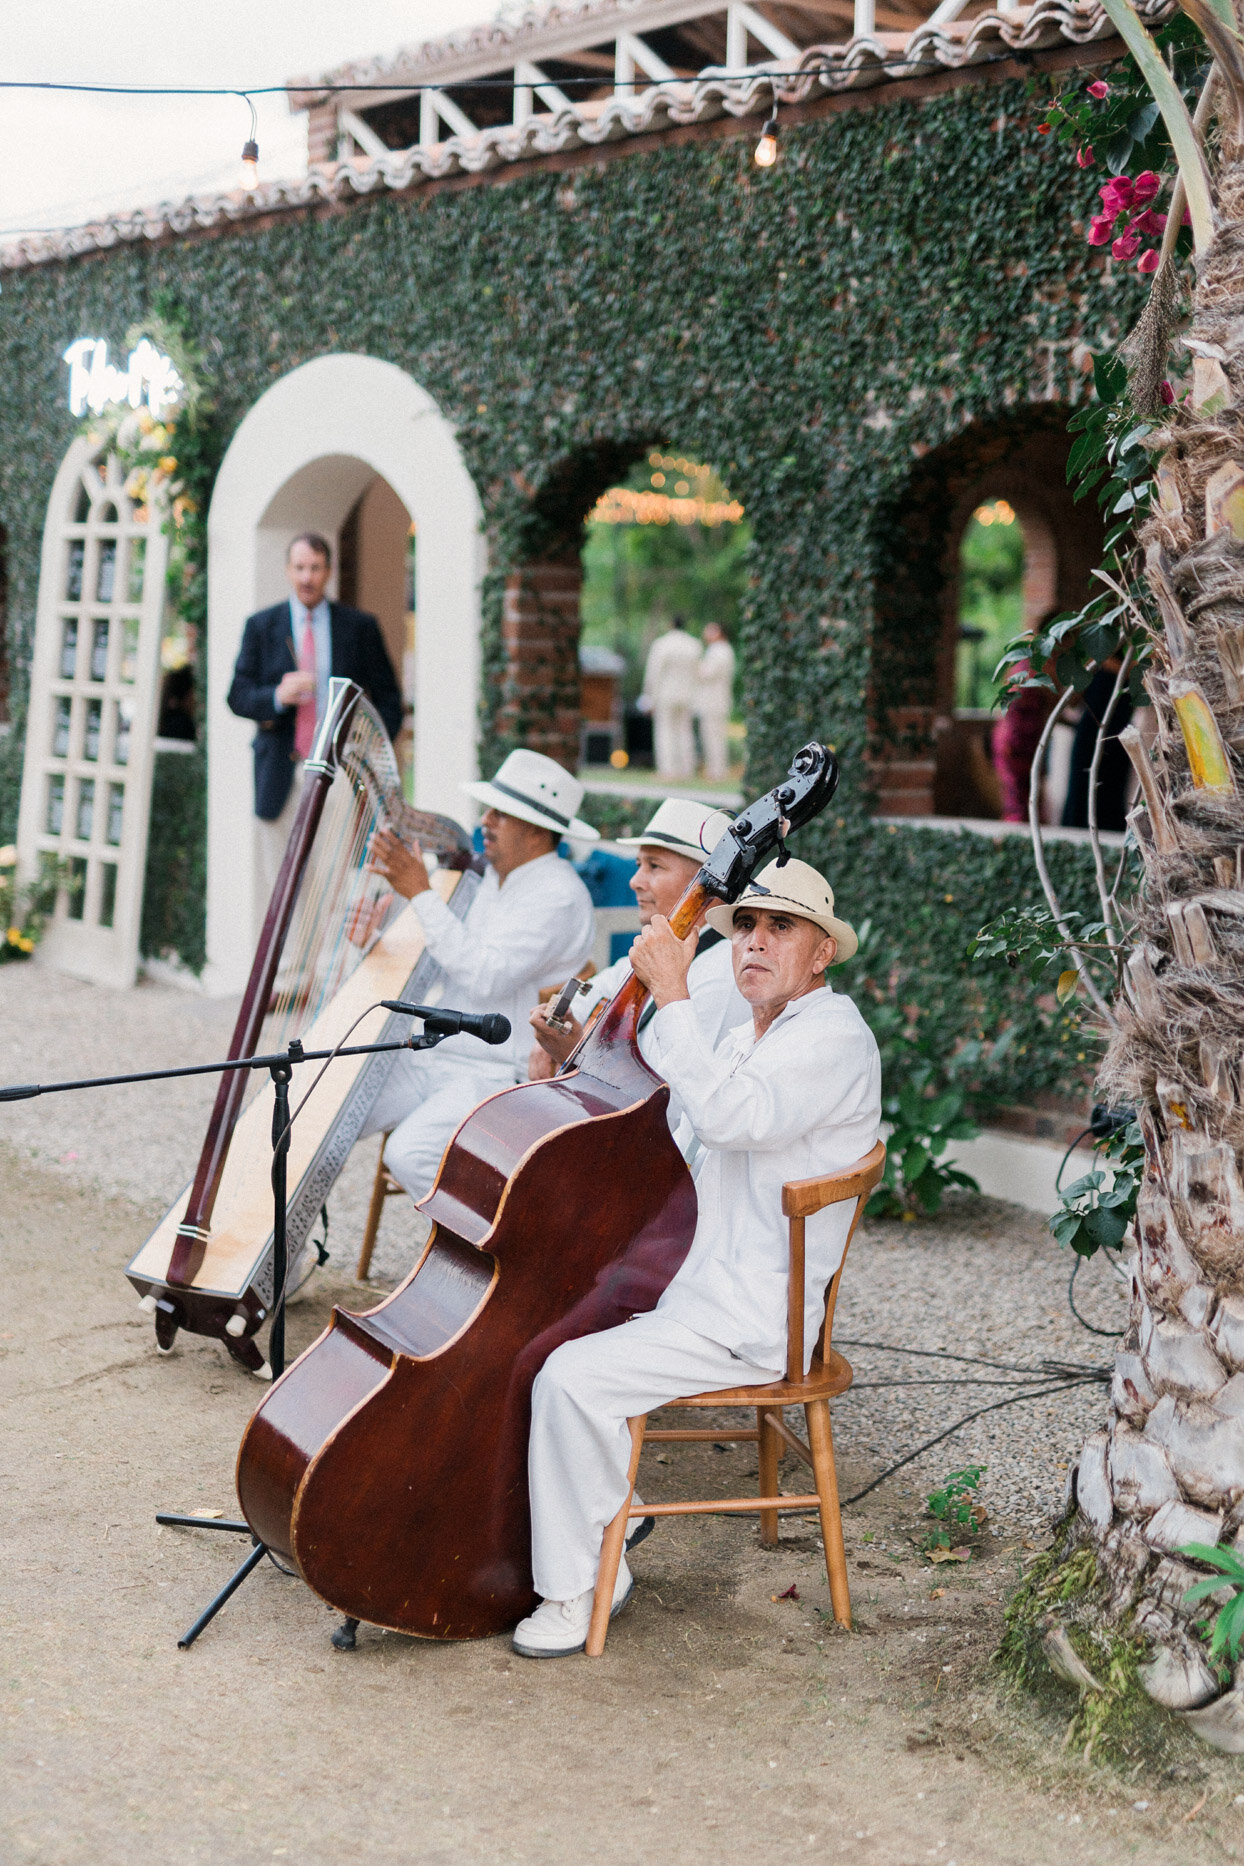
(304, 722)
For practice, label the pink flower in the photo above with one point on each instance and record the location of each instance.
(1148, 261)
(1125, 246)
(1116, 195)
(1167, 393)
(1099, 88)
(1145, 186)
(1084, 156)
(1100, 229)
(1149, 222)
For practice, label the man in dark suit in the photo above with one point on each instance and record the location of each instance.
(280, 680)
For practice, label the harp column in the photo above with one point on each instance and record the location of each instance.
(299, 460)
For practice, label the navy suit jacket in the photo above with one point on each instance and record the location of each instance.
(267, 653)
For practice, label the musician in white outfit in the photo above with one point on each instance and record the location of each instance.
(796, 1093)
(530, 925)
(670, 692)
(670, 851)
(714, 697)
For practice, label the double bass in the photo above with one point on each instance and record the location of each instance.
(389, 1463)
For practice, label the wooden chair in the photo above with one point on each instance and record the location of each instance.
(384, 1186)
(827, 1377)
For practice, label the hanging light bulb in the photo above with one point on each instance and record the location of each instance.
(767, 148)
(250, 155)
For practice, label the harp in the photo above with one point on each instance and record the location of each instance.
(334, 942)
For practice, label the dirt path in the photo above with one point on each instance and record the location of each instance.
(720, 1726)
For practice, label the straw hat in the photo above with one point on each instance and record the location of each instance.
(795, 889)
(688, 828)
(537, 790)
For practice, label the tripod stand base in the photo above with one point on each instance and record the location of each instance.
(231, 1587)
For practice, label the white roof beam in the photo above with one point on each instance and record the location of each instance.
(363, 134)
(637, 53)
(434, 105)
(743, 19)
(530, 77)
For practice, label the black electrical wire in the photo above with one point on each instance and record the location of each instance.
(1112, 1334)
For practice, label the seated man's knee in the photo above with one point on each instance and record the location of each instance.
(566, 1373)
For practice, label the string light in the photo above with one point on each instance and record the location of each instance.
(250, 152)
(767, 148)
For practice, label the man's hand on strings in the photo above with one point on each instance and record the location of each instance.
(661, 961)
(402, 868)
(556, 1045)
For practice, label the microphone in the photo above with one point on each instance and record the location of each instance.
(488, 1026)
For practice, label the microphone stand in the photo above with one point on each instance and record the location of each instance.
(280, 1065)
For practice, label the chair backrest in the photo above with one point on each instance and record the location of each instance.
(801, 1198)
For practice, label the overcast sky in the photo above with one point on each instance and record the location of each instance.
(73, 157)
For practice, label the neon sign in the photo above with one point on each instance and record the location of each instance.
(95, 383)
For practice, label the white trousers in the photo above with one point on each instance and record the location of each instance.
(673, 743)
(580, 1447)
(425, 1100)
(270, 841)
(714, 742)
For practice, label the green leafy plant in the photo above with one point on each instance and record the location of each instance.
(922, 1126)
(1096, 1209)
(956, 1507)
(1227, 1633)
(25, 910)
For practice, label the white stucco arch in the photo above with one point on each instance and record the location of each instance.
(298, 461)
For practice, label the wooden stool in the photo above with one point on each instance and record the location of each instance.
(828, 1376)
(384, 1186)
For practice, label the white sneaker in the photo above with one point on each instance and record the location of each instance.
(559, 1627)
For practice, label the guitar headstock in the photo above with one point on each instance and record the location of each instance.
(764, 825)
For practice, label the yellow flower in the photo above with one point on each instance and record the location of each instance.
(8, 855)
(15, 936)
(167, 463)
(26, 945)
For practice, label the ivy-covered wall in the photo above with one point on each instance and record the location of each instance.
(813, 330)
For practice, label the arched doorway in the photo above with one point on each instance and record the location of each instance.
(351, 447)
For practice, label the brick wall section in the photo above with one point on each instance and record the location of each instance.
(322, 133)
(903, 778)
(540, 703)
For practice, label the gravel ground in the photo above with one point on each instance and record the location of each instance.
(984, 1281)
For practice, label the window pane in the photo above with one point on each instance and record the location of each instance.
(60, 728)
(94, 725)
(116, 810)
(99, 649)
(56, 805)
(73, 574)
(68, 647)
(107, 893)
(128, 670)
(121, 738)
(138, 559)
(105, 582)
(86, 808)
(75, 887)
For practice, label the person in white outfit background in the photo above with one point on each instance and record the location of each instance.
(670, 694)
(796, 1092)
(530, 925)
(670, 851)
(714, 701)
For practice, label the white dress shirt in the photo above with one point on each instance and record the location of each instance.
(534, 929)
(803, 1101)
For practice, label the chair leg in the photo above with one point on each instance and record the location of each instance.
(378, 1193)
(770, 1457)
(821, 1445)
(611, 1550)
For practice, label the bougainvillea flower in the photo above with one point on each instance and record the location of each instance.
(1043, 129)
(1149, 222)
(1084, 156)
(1116, 195)
(1099, 88)
(1100, 229)
(1148, 261)
(1166, 392)
(1145, 186)
(1125, 246)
